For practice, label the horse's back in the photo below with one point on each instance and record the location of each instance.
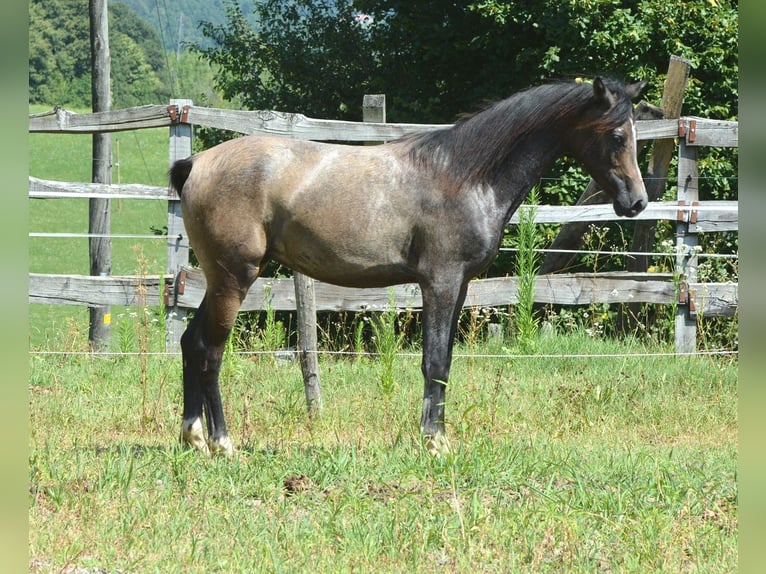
(343, 214)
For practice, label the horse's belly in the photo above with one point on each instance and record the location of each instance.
(344, 256)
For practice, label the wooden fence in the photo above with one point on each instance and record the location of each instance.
(182, 287)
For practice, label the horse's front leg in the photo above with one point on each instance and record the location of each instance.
(442, 304)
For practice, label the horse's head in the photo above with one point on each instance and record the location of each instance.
(606, 146)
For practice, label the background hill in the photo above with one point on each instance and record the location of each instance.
(176, 23)
(150, 63)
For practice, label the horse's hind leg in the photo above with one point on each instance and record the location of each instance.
(202, 346)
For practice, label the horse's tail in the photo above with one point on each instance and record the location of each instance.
(179, 172)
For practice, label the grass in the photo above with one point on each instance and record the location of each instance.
(577, 464)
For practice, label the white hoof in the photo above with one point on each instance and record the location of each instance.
(193, 435)
(222, 446)
(437, 445)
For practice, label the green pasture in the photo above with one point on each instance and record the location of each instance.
(610, 464)
(139, 157)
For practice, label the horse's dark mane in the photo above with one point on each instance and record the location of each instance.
(477, 146)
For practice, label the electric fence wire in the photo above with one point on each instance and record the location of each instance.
(293, 354)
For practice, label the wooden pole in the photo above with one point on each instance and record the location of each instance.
(306, 310)
(178, 242)
(686, 250)
(99, 217)
(374, 109)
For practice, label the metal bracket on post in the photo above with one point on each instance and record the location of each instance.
(687, 131)
(179, 116)
(688, 216)
(181, 282)
(687, 297)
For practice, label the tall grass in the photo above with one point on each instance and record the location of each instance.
(528, 240)
(619, 463)
(388, 335)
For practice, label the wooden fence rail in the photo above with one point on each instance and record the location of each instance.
(711, 216)
(182, 287)
(706, 132)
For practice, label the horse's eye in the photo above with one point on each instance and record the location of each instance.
(618, 137)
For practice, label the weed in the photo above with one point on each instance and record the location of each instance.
(527, 242)
(388, 330)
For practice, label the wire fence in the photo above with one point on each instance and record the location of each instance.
(291, 354)
(502, 249)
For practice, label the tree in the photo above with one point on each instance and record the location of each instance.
(59, 56)
(437, 58)
(307, 56)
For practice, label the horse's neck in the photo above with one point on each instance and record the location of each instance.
(523, 171)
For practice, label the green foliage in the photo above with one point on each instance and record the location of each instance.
(59, 56)
(297, 60)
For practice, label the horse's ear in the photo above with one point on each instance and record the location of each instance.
(599, 89)
(602, 92)
(634, 90)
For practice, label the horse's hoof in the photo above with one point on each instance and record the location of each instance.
(193, 435)
(437, 445)
(222, 446)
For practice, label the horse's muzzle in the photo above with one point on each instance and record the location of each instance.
(630, 210)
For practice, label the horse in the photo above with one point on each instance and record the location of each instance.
(428, 208)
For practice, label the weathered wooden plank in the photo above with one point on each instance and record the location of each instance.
(61, 120)
(708, 132)
(303, 127)
(572, 289)
(656, 129)
(88, 290)
(716, 133)
(44, 188)
(298, 126)
(714, 299)
(561, 289)
(711, 215)
(710, 299)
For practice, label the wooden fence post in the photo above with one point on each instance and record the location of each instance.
(178, 242)
(374, 109)
(306, 311)
(99, 209)
(686, 247)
